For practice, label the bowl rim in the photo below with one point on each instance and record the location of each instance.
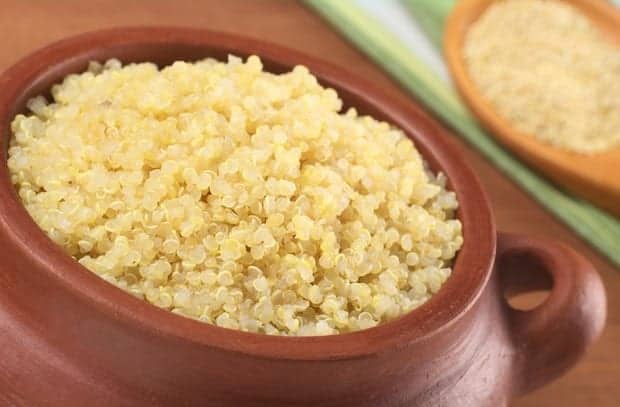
(457, 296)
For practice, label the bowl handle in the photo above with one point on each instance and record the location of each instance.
(550, 338)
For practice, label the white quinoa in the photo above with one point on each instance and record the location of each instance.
(235, 196)
(548, 70)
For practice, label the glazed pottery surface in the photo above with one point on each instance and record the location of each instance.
(69, 338)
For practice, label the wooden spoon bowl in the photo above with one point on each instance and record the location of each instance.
(593, 177)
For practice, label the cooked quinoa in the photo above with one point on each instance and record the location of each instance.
(235, 196)
(549, 71)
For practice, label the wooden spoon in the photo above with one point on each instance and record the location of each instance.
(594, 177)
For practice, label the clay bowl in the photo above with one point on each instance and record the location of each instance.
(69, 338)
(589, 176)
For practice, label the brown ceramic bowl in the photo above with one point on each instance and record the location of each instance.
(69, 338)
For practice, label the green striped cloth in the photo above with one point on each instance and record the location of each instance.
(599, 228)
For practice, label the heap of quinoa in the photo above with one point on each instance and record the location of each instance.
(235, 196)
(550, 71)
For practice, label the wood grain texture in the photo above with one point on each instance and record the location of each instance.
(25, 26)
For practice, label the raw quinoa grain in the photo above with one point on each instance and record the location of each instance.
(548, 70)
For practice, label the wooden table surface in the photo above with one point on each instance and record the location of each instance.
(27, 25)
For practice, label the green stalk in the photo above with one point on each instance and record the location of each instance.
(431, 15)
(597, 227)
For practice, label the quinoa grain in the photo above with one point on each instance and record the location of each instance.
(235, 196)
